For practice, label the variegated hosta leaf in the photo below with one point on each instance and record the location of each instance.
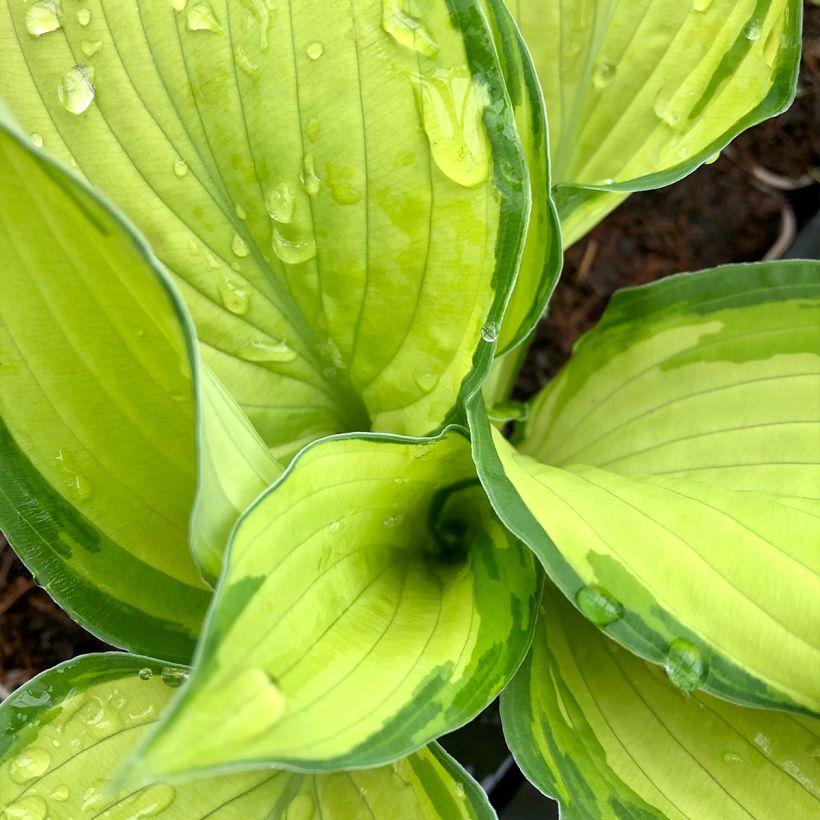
(668, 478)
(542, 256)
(639, 94)
(64, 734)
(609, 737)
(97, 450)
(337, 187)
(371, 601)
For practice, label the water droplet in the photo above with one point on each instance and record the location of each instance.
(713, 158)
(60, 794)
(489, 332)
(315, 50)
(426, 381)
(400, 479)
(240, 211)
(29, 764)
(451, 107)
(239, 246)
(180, 168)
(312, 127)
(752, 30)
(392, 521)
(730, 758)
(148, 803)
(293, 251)
(406, 29)
(28, 808)
(342, 188)
(244, 62)
(301, 807)
(663, 108)
(598, 605)
(266, 351)
(76, 89)
(280, 203)
(146, 673)
(90, 47)
(308, 178)
(75, 482)
(459, 790)
(174, 676)
(41, 18)
(603, 74)
(336, 526)
(234, 297)
(701, 5)
(201, 17)
(37, 140)
(763, 742)
(178, 5)
(685, 665)
(84, 16)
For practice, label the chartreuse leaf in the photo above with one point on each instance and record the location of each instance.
(337, 188)
(371, 601)
(668, 478)
(610, 737)
(64, 734)
(235, 467)
(639, 94)
(542, 256)
(97, 439)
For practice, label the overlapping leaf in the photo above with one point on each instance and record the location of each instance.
(639, 94)
(337, 187)
(97, 457)
(64, 734)
(668, 478)
(371, 601)
(610, 737)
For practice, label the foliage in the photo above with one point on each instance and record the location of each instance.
(261, 264)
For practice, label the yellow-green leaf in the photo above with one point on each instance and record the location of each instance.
(668, 478)
(607, 735)
(371, 601)
(64, 734)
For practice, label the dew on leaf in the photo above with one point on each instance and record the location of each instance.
(31, 807)
(280, 203)
(261, 350)
(701, 5)
(407, 29)
(752, 30)
(84, 16)
(201, 17)
(234, 297)
(598, 605)
(146, 673)
(76, 89)
(60, 794)
(41, 18)
(392, 521)
(239, 246)
(300, 807)
(308, 178)
(37, 140)
(315, 50)
(684, 665)
(173, 676)
(30, 764)
(603, 74)
(90, 47)
(489, 332)
(180, 168)
(312, 127)
(244, 63)
(293, 251)
(732, 759)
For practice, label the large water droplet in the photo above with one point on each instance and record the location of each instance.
(407, 29)
(41, 18)
(459, 790)
(244, 62)
(60, 794)
(84, 16)
(31, 807)
(180, 168)
(663, 108)
(489, 332)
(341, 182)
(37, 140)
(598, 605)
(235, 298)
(261, 350)
(293, 251)
(685, 665)
(301, 807)
(752, 30)
(90, 47)
(29, 764)
(201, 17)
(701, 5)
(308, 177)
(451, 107)
(603, 74)
(146, 673)
(315, 50)
(76, 89)
(280, 203)
(173, 676)
(239, 246)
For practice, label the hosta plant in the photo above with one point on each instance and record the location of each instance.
(265, 266)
